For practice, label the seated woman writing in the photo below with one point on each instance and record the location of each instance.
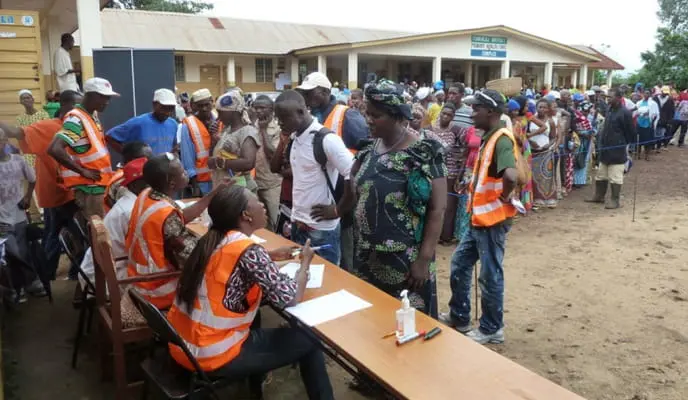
(220, 289)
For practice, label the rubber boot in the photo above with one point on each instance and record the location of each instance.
(615, 200)
(600, 192)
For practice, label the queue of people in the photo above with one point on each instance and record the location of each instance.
(374, 186)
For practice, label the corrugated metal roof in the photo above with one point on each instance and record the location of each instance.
(187, 32)
(605, 62)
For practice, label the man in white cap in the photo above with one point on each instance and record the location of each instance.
(79, 147)
(349, 124)
(157, 128)
(196, 141)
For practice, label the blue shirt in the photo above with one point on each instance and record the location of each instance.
(354, 127)
(161, 136)
(188, 155)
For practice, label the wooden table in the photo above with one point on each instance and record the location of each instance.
(450, 366)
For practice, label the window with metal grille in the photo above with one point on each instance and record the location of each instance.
(179, 71)
(264, 70)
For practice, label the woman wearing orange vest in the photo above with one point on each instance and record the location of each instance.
(220, 290)
(157, 237)
(79, 147)
(491, 193)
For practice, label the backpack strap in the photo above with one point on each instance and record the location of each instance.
(321, 156)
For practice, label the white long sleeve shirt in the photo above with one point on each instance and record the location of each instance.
(63, 63)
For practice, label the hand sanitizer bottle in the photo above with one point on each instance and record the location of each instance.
(406, 317)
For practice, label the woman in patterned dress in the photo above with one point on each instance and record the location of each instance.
(517, 122)
(399, 194)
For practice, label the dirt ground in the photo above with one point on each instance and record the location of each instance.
(594, 302)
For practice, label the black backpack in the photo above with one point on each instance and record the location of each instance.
(321, 158)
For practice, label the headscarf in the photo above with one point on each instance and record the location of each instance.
(25, 91)
(684, 96)
(418, 109)
(233, 100)
(513, 105)
(422, 93)
(390, 97)
(586, 106)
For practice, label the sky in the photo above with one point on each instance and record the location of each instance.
(626, 30)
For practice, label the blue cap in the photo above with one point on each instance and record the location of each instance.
(439, 85)
(578, 97)
(513, 105)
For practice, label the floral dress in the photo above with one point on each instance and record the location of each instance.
(390, 230)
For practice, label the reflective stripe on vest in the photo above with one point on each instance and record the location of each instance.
(199, 136)
(214, 336)
(139, 241)
(486, 206)
(335, 121)
(97, 157)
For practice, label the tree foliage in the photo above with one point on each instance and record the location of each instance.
(668, 63)
(179, 6)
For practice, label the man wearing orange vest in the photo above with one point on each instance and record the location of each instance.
(79, 147)
(491, 190)
(196, 142)
(350, 125)
(157, 238)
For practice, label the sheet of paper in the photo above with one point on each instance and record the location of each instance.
(258, 239)
(184, 204)
(316, 272)
(328, 307)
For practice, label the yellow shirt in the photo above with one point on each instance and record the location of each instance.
(432, 115)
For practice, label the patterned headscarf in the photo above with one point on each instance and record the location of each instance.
(233, 100)
(586, 106)
(418, 109)
(389, 96)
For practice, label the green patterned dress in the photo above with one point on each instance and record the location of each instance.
(386, 242)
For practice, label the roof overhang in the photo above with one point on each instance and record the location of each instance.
(425, 36)
(63, 13)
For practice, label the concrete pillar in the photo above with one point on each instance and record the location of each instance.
(506, 69)
(583, 83)
(555, 78)
(231, 72)
(352, 70)
(609, 78)
(436, 69)
(294, 72)
(91, 34)
(477, 77)
(574, 79)
(549, 67)
(469, 74)
(322, 64)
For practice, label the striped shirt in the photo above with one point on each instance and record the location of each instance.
(462, 117)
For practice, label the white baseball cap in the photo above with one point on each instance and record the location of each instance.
(314, 80)
(165, 97)
(100, 86)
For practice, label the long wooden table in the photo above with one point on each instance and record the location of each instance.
(450, 366)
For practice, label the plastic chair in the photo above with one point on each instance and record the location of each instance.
(84, 297)
(165, 373)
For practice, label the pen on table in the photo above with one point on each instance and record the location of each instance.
(393, 333)
(316, 248)
(409, 338)
(433, 332)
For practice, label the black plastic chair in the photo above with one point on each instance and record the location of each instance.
(82, 226)
(174, 382)
(84, 297)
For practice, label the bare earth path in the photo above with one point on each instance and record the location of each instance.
(594, 302)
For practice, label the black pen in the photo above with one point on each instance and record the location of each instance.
(433, 332)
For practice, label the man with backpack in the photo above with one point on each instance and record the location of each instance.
(317, 159)
(350, 125)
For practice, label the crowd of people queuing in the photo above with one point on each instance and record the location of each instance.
(373, 178)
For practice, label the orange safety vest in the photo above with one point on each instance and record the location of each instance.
(212, 333)
(486, 207)
(97, 157)
(335, 121)
(145, 244)
(117, 177)
(201, 140)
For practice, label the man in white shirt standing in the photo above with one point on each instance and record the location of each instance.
(66, 74)
(315, 214)
(116, 221)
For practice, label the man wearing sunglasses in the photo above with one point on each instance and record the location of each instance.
(491, 191)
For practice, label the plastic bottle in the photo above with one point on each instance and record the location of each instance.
(406, 317)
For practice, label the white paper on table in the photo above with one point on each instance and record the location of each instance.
(316, 272)
(327, 308)
(257, 239)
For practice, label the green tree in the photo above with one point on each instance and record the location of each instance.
(179, 6)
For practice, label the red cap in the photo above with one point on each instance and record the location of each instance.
(133, 170)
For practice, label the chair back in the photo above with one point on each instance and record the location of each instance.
(106, 280)
(163, 330)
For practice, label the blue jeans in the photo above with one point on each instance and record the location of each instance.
(55, 219)
(319, 238)
(486, 245)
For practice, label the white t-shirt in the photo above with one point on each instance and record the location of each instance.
(309, 184)
(63, 63)
(116, 222)
(13, 173)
